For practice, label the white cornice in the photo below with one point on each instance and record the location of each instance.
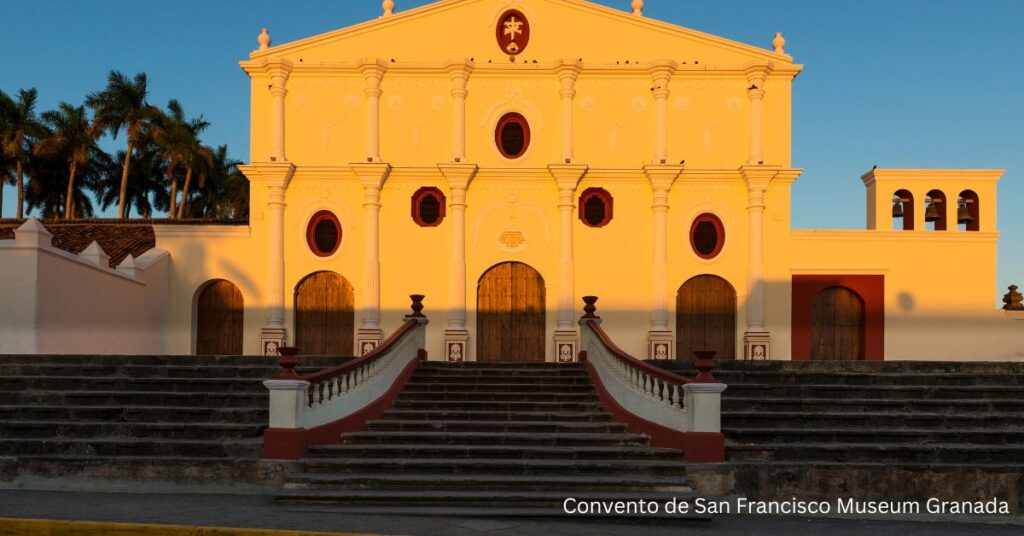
(896, 236)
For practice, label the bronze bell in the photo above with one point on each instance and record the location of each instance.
(931, 213)
(897, 208)
(963, 214)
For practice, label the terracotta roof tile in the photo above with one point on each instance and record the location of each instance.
(118, 240)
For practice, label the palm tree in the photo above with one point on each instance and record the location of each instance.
(179, 139)
(122, 104)
(226, 193)
(71, 138)
(20, 127)
(146, 187)
(6, 177)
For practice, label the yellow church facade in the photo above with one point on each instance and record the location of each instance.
(505, 158)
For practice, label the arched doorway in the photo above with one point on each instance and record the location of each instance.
(510, 314)
(837, 325)
(219, 315)
(706, 318)
(324, 315)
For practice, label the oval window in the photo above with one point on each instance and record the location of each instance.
(595, 207)
(428, 206)
(323, 234)
(707, 236)
(512, 135)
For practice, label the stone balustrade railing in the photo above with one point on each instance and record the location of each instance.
(317, 408)
(675, 411)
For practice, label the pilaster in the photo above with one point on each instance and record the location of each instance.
(371, 177)
(373, 70)
(661, 74)
(660, 339)
(456, 336)
(275, 176)
(458, 72)
(567, 178)
(279, 69)
(756, 339)
(568, 71)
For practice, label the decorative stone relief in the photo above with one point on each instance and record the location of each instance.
(512, 240)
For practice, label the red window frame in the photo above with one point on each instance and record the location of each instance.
(417, 198)
(507, 119)
(606, 197)
(719, 230)
(323, 215)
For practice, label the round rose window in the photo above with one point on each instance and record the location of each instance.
(707, 236)
(323, 234)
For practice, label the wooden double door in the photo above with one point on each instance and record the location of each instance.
(510, 314)
(219, 319)
(324, 315)
(706, 318)
(837, 325)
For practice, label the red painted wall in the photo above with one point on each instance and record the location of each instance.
(871, 289)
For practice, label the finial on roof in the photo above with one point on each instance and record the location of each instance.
(638, 7)
(389, 7)
(779, 43)
(264, 39)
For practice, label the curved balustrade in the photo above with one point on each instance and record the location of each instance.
(317, 408)
(675, 411)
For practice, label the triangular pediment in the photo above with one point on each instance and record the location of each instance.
(559, 29)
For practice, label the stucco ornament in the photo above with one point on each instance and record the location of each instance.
(264, 39)
(513, 32)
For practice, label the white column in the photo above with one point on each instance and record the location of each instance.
(278, 70)
(371, 177)
(661, 75)
(459, 72)
(456, 335)
(756, 77)
(660, 339)
(567, 178)
(276, 176)
(373, 73)
(756, 339)
(568, 71)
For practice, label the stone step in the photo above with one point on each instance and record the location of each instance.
(486, 482)
(497, 396)
(884, 392)
(499, 379)
(871, 420)
(496, 406)
(115, 446)
(253, 415)
(165, 360)
(146, 371)
(520, 466)
(139, 430)
(455, 414)
(896, 453)
(950, 405)
(459, 426)
(105, 383)
(550, 500)
(179, 469)
(760, 436)
(870, 367)
(562, 439)
(476, 365)
(487, 373)
(435, 387)
(499, 452)
(135, 398)
(866, 378)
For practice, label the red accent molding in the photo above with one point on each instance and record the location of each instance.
(870, 288)
(417, 199)
(323, 215)
(605, 197)
(697, 447)
(719, 231)
(505, 40)
(506, 120)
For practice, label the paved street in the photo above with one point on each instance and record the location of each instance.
(259, 511)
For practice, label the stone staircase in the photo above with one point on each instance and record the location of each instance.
(900, 427)
(186, 419)
(476, 435)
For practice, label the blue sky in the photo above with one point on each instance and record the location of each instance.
(898, 83)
